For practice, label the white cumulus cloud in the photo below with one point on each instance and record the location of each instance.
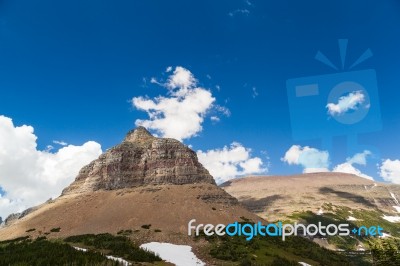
(231, 162)
(390, 170)
(311, 159)
(29, 176)
(352, 101)
(348, 167)
(182, 80)
(180, 114)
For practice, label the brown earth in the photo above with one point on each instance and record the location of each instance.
(168, 208)
(276, 197)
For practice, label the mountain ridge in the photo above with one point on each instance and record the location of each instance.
(140, 183)
(275, 197)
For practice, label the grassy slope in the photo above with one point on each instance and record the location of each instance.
(272, 251)
(24, 251)
(340, 214)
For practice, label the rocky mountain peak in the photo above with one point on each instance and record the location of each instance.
(141, 159)
(139, 134)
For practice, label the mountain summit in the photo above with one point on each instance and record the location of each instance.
(143, 181)
(141, 159)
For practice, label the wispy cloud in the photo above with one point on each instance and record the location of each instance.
(244, 12)
(254, 92)
(215, 119)
(248, 3)
(60, 142)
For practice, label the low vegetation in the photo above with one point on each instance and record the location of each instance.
(24, 251)
(385, 251)
(125, 232)
(119, 246)
(42, 252)
(378, 251)
(272, 251)
(146, 226)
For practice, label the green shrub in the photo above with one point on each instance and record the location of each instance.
(43, 252)
(124, 232)
(146, 226)
(119, 246)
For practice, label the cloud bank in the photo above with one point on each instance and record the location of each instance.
(390, 170)
(29, 176)
(313, 160)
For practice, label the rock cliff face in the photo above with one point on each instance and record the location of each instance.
(141, 159)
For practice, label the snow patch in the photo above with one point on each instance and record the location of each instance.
(120, 260)
(394, 197)
(304, 264)
(351, 218)
(392, 219)
(320, 212)
(397, 208)
(179, 255)
(384, 235)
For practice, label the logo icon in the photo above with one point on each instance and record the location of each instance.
(344, 103)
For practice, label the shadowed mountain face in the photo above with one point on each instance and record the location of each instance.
(142, 181)
(141, 159)
(276, 197)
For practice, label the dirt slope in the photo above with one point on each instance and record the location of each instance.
(166, 207)
(274, 197)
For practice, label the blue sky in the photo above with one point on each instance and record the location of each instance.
(71, 68)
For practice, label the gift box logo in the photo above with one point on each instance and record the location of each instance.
(345, 103)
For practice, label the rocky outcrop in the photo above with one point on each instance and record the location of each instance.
(141, 159)
(16, 216)
(12, 218)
